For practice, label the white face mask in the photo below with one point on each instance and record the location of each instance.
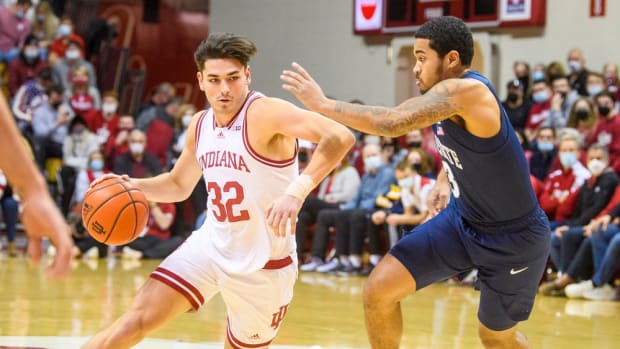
(72, 54)
(185, 120)
(372, 163)
(109, 108)
(406, 182)
(136, 148)
(596, 166)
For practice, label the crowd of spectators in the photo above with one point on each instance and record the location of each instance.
(76, 133)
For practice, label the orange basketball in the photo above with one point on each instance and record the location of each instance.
(115, 212)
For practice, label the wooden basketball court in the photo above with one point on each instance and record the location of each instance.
(326, 312)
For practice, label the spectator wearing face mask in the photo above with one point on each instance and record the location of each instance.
(104, 122)
(118, 144)
(612, 83)
(29, 97)
(584, 118)
(595, 84)
(26, 66)
(516, 106)
(50, 123)
(14, 28)
(577, 71)
(181, 121)
(44, 24)
(543, 152)
(561, 187)
(561, 102)
(541, 109)
(555, 70)
(65, 35)
(77, 147)
(522, 73)
(83, 97)
(607, 131)
(84, 244)
(64, 68)
(399, 217)
(594, 196)
(137, 163)
(350, 219)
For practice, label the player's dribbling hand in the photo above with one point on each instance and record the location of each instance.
(282, 212)
(303, 87)
(41, 218)
(107, 176)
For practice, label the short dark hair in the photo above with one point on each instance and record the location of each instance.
(224, 45)
(605, 93)
(56, 88)
(446, 34)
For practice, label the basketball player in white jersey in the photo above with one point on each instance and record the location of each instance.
(245, 148)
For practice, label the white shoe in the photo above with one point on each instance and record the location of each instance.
(330, 266)
(51, 251)
(314, 263)
(577, 290)
(602, 293)
(92, 253)
(130, 253)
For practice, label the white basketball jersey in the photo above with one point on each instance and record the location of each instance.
(240, 185)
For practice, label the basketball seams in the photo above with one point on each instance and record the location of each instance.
(120, 212)
(133, 200)
(93, 190)
(135, 212)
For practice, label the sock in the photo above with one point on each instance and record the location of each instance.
(374, 259)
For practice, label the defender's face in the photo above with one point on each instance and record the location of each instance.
(428, 68)
(225, 83)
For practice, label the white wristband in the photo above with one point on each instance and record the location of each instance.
(300, 187)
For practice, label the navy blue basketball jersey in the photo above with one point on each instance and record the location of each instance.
(489, 177)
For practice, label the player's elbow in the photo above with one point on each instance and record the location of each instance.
(345, 137)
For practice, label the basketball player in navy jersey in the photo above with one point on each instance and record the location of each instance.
(492, 220)
(40, 214)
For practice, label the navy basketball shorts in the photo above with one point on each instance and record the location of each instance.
(510, 260)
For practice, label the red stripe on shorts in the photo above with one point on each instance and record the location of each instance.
(237, 344)
(179, 281)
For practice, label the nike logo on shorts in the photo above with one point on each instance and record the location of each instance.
(514, 271)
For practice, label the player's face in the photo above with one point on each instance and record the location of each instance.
(428, 68)
(225, 83)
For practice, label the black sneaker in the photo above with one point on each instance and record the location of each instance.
(349, 270)
(366, 271)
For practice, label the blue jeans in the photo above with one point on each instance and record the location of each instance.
(10, 213)
(556, 245)
(606, 251)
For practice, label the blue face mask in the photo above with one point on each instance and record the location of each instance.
(545, 146)
(96, 165)
(568, 159)
(538, 75)
(540, 96)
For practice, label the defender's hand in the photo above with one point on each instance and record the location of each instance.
(303, 87)
(41, 218)
(438, 198)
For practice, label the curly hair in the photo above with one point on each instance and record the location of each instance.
(224, 45)
(446, 34)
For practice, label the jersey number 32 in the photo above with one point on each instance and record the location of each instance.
(225, 211)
